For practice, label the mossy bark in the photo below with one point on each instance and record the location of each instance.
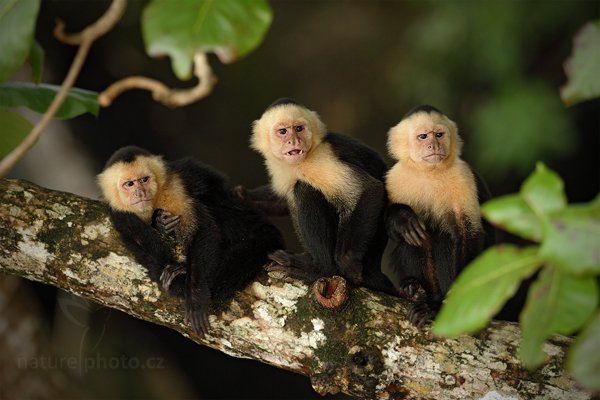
(366, 349)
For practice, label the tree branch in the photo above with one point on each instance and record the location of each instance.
(162, 93)
(366, 348)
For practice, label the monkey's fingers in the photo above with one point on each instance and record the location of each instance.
(420, 314)
(169, 273)
(198, 318)
(419, 229)
(281, 257)
(169, 224)
(411, 237)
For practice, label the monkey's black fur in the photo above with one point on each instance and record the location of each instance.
(342, 242)
(227, 250)
(427, 272)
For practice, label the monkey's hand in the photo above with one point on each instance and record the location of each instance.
(240, 192)
(414, 231)
(281, 258)
(169, 273)
(165, 222)
(422, 312)
(411, 289)
(196, 311)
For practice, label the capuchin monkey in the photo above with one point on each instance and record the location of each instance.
(225, 239)
(434, 213)
(332, 187)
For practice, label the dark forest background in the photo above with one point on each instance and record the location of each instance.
(495, 67)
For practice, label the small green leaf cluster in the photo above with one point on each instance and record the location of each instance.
(563, 298)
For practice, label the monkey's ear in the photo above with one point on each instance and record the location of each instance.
(259, 140)
(397, 143)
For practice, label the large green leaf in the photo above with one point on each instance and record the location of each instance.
(483, 287)
(544, 191)
(36, 60)
(583, 67)
(557, 302)
(17, 25)
(512, 214)
(39, 97)
(179, 29)
(584, 356)
(572, 239)
(14, 129)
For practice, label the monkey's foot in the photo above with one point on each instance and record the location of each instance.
(196, 314)
(411, 289)
(164, 221)
(281, 258)
(421, 313)
(169, 273)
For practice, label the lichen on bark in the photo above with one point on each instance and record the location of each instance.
(366, 348)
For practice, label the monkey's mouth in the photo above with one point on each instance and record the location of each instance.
(294, 155)
(435, 158)
(140, 202)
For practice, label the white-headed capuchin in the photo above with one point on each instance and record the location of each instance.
(226, 240)
(332, 186)
(434, 214)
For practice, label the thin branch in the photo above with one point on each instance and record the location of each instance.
(85, 40)
(160, 92)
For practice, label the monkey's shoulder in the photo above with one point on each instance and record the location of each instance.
(357, 154)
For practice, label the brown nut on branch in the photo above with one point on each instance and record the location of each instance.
(331, 293)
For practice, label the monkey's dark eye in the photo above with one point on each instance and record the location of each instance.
(128, 184)
(299, 128)
(422, 136)
(282, 131)
(145, 179)
(439, 134)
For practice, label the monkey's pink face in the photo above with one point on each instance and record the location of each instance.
(430, 143)
(291, 140)
(138, 191)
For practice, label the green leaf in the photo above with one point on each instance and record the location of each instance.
(583, 360)
(483, 287)
(36, 60)
(557, 302)
(572, 239)
(14, 129)
(544, 191)
(39, 97)
(512, 214)
(17, 25)
(229, 28)
(583, 66)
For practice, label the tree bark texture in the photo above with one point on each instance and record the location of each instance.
(366, 348)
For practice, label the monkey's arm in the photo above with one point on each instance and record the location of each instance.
(265, 200)
(356, 231)
(402, 223)
(144, 242)
(204, 258)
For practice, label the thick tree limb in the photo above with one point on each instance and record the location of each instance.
(366, 349)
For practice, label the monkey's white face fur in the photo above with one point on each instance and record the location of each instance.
(133, 186)
(287, 132)
(427, 139)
